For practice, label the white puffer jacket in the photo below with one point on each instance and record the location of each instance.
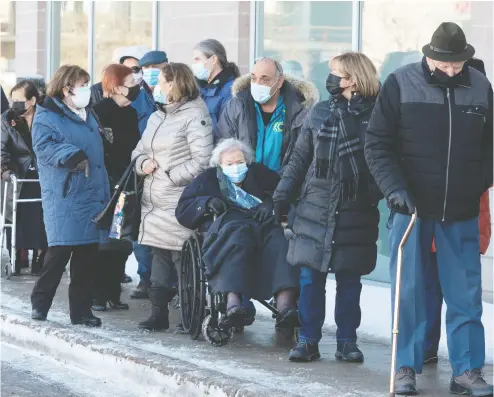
(179, 138)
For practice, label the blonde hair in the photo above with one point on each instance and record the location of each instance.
(359, 68)
(184, 83)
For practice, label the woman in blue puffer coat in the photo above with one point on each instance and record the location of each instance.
(214, 74)
(68, 144)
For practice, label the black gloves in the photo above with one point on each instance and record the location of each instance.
(281, 209)
(401, 202)
(216, 206)
(264, 211)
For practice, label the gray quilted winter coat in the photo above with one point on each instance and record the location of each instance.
(179, 138)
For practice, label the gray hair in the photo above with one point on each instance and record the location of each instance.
(210, 47)
(229, 145)
(279, 68)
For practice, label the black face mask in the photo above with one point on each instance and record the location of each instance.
(333, 85)
(133, 93)
(18, 108)
(444, 79)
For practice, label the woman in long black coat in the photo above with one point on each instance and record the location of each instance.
(120, 123)
(244, 249)
(336, 223)
(18, 160)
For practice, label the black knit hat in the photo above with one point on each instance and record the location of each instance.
(448, 44)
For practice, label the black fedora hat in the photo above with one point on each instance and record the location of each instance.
(448, 44)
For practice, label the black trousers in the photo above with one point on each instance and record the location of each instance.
(111, 268)
(83, 262)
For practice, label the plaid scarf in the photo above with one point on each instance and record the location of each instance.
(338, 142)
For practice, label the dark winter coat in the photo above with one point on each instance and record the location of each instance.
(192, 210)
(125, 132)
(330, 235)
(16, 154)
(238, 119)
(217, 93)
(436, 142)
(4, 101)
(70, 200)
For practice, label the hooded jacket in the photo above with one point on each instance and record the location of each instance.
(178, 137)
(238, 119)
(70, 199)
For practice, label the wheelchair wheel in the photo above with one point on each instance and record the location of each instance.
(214, 333)
(192, 293)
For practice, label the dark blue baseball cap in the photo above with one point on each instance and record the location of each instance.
(153, 58)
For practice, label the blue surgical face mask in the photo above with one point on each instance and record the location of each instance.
(261, 93)
(200, 71)
(158, 95)
(150, 76)
(235, 172)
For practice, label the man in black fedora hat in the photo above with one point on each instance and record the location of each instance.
(429, 148)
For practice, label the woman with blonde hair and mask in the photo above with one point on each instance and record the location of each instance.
(174, 149)
(336, 222)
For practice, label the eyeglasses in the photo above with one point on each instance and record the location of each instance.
(136, 69)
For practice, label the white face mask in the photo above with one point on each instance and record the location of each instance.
(200, 71)
(137, 77)
(81, 96)
(261, 93)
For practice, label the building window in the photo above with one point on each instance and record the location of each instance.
(391, 39)
(74, 33)
(305, 35)
(7, 50)
(119, 24)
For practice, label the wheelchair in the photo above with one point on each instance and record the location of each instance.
(201, 309)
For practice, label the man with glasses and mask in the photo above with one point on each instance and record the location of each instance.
(266, 112)
(429, 148)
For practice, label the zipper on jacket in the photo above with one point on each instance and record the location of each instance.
(449, 152)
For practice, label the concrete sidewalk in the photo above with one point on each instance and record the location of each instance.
(164, 364)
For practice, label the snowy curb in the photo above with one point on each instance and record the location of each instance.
(160, 375)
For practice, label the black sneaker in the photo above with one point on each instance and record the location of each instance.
(304, 352)
(349, 351)
(430, 357)
(405, 382)
(38, 315)
(288, 318)
(470, 383)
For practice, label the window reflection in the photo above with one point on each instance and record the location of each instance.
(305, 35)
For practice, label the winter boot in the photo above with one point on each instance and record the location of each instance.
(347, 350)
(305, 351)
(470, 383)
(141, 292)
(160, 297)
(405, 382)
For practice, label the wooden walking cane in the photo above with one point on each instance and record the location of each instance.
(396, 316)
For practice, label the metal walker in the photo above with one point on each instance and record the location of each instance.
(396, 316)
(10, 267)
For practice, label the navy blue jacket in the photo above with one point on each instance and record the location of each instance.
(70, 200)
(192, 211)
(217, 93)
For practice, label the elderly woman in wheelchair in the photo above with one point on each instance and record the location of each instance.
(244, 249)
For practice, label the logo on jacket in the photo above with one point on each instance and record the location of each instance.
(278, 126)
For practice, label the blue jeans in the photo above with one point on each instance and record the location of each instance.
(144, 258)
(312, 305)
(434, 299)
(458, 266)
